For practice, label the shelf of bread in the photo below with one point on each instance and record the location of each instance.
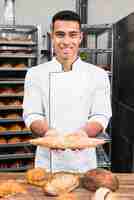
(19, 50)
(17, 42)
(13, 127)
(12, 95)
(13, 67)
(10, 104)
(17, 156)
(17, 55)
(11, 107)
(15, 168)
(16, 133)
(19, 144)
(8, 91)
(12, 116)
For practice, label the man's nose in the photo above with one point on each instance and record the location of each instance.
(66, 39)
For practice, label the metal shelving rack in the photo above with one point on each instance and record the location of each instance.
(102, 48)
(18, 45)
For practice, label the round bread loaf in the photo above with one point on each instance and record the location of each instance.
(36, 176)
(97, 178)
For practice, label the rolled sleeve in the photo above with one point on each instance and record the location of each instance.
(31, 118)
(32, 102)
(101, 106)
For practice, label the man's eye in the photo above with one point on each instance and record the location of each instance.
(74, 35)
(60, 35)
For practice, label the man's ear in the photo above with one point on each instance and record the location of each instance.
(81, 37)
(51, 35)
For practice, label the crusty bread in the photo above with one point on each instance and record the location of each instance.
(9, 187)
(36, 176)
(71, 141)
(61, 182)
(96, 178)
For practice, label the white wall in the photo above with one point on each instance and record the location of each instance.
(108, 11)
(1, 11)
(40, 11)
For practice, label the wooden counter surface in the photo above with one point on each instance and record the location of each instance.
(125, 192)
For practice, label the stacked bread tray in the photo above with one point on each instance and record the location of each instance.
(19, 50)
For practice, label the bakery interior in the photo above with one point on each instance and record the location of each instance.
(108, 43)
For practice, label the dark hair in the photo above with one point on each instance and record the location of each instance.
(66, 15)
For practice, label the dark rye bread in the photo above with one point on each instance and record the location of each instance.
(96, 178)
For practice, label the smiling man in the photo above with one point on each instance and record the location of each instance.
(68, 95)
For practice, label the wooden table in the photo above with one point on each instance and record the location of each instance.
(125, 192)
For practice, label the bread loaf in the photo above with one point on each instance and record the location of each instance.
(97, 178)
(36, 176)
(11, 187)
(61, 182)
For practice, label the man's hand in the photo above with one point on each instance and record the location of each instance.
(39, 127)
(92, 128)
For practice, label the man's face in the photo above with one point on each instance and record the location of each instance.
(66, 38)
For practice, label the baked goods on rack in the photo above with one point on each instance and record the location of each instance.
(15, 127)
(6, 90)
(13, 116)
(20, 65)
(14, 102)
(14, 140)
(2, 128)
(6, 65)
(9, 187)
(61, 182)
(2, 103)
(74, 140)
(25, 128)
(3, 140)
(36, 176)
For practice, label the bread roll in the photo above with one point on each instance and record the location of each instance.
(3, 140)
(14, 103)
(2, 103)
(37, 176)
(15, 127)
(20, 65)
(6, 65)
(13, 116)
(14, 140)
(2, 128)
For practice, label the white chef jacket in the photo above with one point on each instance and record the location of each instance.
(86, 99)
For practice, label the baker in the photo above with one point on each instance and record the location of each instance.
(67, 94)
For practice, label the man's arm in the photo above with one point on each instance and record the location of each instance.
(101, 107)
(33, 110)
(93, 128)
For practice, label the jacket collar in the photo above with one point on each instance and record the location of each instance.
(75, 65)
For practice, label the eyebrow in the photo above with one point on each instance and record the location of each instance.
(76, 32)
